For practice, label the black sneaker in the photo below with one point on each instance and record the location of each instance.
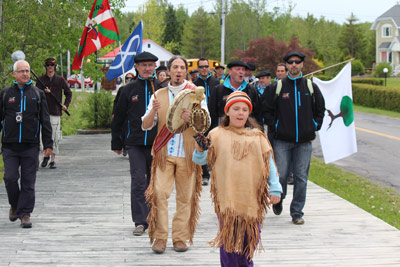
(290, 179)
(53, 165)
(45, 162)
(277, 208)
(297, 219)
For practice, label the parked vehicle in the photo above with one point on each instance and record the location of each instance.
(75, 81)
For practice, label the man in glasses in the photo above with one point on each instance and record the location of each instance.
(205, 79)
(23, 111)
(295, 109)
(55, 87)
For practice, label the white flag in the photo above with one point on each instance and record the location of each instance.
(338, 133)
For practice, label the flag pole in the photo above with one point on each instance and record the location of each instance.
(122, 62)
(312, 73)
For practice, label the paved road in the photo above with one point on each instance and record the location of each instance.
(377, 158)
(82, 218)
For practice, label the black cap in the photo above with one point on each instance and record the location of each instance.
(145, 56)
(193, 71)
(219, 66)
(251, 66)
(236, 63)
(292, 54)
(50, 60)
(263, 73)
(160, 68)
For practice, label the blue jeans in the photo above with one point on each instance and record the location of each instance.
(298, 155)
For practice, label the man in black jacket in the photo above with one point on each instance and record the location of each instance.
(295, 112)
(206, 80)
(23, 110)
(234, 82)
(131, 106)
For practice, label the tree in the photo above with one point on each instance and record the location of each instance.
(41, 30)
(197, 38)
(352, 40)
(173, 31)
(267, 52)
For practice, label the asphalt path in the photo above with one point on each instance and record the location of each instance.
(378, 142)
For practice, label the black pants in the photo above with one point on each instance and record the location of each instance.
(140, 163)
(21, 164)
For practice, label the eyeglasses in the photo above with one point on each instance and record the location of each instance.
(22, 71)
(128, 78)
(297, 61)
(50, 64)
(204, 67)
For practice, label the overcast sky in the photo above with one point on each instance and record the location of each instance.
(337, 10)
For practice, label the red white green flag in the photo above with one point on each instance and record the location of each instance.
(100, 31)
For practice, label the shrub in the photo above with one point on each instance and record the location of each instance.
(387, 98)
(357, 68)
(373, 81)
(323, 77)
(378, 72)
(98, 109)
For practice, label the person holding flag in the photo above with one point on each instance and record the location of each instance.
(131, 106)
(100, 30)
(295, 109)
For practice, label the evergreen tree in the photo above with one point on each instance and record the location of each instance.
(352, 40)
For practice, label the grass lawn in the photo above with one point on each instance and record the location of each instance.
(381, 201)
(392, 82)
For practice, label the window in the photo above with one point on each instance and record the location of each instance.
(387, 31)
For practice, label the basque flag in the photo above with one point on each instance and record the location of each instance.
(129, 50)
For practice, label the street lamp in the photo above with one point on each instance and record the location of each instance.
(385, 70)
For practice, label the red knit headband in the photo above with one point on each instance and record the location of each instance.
(235, 97)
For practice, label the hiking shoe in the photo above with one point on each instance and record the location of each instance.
(45, 162)
(53, 165)
(297, 219)
(180, 246)
(13, 214)
(139, 230)
(26, 221)
(159, 246)
(277, 208)
(124, 152)
(205, 181)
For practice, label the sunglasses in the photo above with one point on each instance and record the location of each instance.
(50, 64)
(128, 78)
(297, 61)
(204, 67)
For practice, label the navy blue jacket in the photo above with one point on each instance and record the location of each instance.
(35, 114)
(296, 114)
(131, 106)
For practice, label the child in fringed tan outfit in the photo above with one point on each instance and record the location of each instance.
(244, 180)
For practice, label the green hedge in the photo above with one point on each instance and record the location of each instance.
(373, 96)
(374, 81)
(323, 77)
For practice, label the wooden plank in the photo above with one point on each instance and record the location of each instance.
(82, 218)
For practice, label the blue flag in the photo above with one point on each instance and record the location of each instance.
(129, 50)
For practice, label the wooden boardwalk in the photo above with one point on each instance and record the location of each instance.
(82, 218)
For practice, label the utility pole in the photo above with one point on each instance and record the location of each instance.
(223, 33)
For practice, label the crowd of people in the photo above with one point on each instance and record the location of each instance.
(260, 134)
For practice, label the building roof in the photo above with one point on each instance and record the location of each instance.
(384, 45)
(392, 14)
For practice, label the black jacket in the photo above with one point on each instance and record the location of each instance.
(296, 114)
(131, 106)
(217, 100)
(35, 114)
(209, 84)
